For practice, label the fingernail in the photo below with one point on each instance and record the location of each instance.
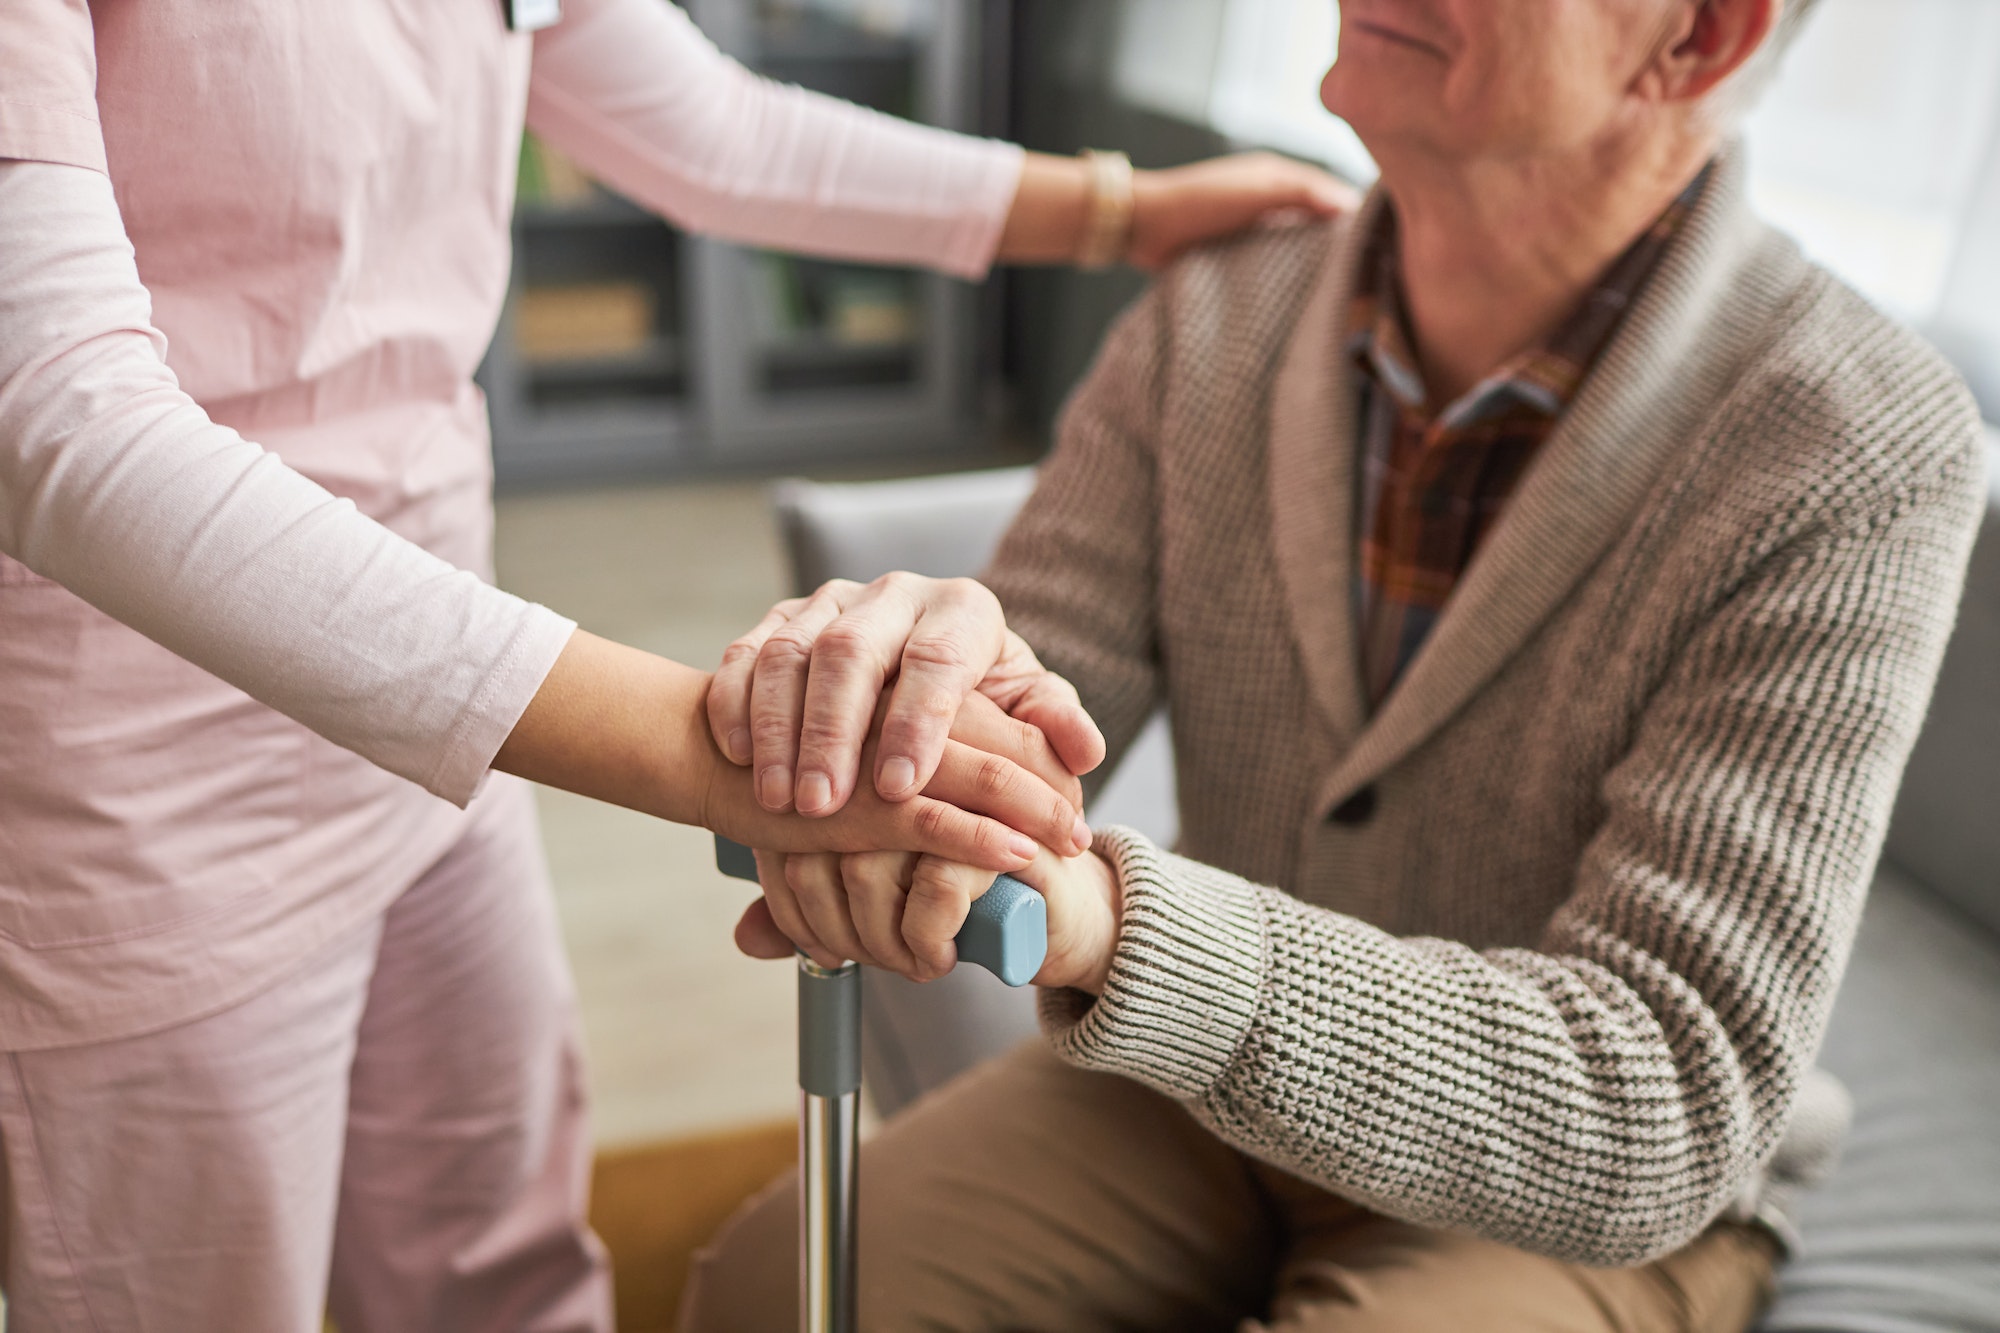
(1022, 846)
(774, 787)
(815, 793)
(1080, 835)
(739, 746)
(898, 776)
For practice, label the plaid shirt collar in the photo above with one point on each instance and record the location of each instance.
(1546, 377)
(1434, 483)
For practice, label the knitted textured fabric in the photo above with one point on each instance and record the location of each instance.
(1557, 929)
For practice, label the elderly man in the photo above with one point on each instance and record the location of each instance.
(1546, 570)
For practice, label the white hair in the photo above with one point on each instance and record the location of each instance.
(1732, 101)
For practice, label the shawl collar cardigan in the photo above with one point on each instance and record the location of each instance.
(1560, 980)
(1716, 293)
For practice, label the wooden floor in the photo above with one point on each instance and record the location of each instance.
(654, 1207)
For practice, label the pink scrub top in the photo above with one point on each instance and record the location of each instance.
(318, 196)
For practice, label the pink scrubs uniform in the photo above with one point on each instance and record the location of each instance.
(280, 990)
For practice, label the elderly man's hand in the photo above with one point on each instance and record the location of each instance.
(997, 792)
(795, 696)
(901, 912)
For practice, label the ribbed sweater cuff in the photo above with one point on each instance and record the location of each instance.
(1185, 979)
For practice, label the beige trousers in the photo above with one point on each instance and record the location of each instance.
(1033, 1197)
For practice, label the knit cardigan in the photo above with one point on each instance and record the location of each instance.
(1544, 948)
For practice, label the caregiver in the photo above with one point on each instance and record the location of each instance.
(284, 1015)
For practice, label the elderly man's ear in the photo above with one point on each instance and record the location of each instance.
(1708, 41)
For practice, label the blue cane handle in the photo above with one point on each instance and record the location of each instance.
(1007, 931)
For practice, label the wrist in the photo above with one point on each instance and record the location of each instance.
(1100, 976)
(1051, 208)
(1098, 925)
(686, 774)
(619, 725)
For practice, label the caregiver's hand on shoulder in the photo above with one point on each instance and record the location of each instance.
(794, 697)
(901, 912)
(1205, 201)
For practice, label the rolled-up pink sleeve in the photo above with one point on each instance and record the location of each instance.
(634, 92)
(117, 485)
(48, 83)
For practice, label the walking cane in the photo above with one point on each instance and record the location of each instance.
(1007, 933)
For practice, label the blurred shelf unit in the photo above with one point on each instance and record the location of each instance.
(630, 348)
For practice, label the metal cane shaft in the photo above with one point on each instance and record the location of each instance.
(829, 1129)
(827, 1217)
(1006, 932)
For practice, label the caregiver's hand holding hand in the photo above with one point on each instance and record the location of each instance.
(624, 726)
(793, 697)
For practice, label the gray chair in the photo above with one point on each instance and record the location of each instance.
(1905, 1235)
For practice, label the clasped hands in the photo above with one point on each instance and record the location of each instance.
(910, 695)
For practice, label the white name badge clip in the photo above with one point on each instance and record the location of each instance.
(531, 15)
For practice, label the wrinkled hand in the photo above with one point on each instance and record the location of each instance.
(794, 697)
(901, 912)
(997, 792)
(1204, 201)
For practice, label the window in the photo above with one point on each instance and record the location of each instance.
(1871, 145)
(1249, 68)
(1269, 64)
(1879, 149)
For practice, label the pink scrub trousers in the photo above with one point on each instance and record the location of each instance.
(396, 1131)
